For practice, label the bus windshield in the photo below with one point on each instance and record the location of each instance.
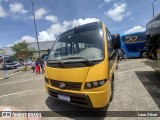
(80, 44)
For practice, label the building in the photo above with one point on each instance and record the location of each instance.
(6, 51)
(44, 46)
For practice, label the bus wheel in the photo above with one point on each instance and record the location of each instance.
(143, 54)
(112, 88)
(117, 66)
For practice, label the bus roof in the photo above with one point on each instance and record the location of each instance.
(81, 26)
(154, 19)
(153, 27)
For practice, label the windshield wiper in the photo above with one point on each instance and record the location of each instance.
(62, 64)
(89, 62)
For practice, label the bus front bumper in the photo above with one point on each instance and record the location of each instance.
(85, 99)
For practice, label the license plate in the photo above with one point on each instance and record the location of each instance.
(63, 97)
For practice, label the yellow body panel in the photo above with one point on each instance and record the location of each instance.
(72, 74)
(99, 96)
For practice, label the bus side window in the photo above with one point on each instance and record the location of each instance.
(109, 42)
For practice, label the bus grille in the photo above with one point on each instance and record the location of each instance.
(68, 85)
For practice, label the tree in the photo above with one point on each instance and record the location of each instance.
(22, 51)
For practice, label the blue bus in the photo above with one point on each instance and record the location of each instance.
(134, 44)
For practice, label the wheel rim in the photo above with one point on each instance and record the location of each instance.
(144, 54)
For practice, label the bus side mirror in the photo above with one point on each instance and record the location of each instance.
(116, 41)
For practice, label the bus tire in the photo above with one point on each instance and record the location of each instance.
(116, 41)
(112, 88)
(117, 66)
(143, 54)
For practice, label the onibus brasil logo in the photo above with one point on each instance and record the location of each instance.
(7, 112)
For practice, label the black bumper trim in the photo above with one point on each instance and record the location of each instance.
(76, 99)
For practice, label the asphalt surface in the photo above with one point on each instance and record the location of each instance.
(136, 88)
(10, 71)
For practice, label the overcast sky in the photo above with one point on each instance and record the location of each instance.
(55, 16)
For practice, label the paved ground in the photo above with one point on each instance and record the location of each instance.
(136, 88)
(10, 72)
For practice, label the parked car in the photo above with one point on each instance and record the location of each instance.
(18, 63)
(8, 62)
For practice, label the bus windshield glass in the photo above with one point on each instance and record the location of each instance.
(85, 43)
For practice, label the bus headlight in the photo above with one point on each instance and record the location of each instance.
(102, 82)
(88, 85)
(94, 84)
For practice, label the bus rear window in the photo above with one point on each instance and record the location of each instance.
(134, 38)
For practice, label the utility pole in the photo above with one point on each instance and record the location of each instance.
(153, 6)
(35, 28)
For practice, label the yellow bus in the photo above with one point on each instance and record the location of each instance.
(153, 42)
(81, 64)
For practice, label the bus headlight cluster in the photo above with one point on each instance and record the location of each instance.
(94, 84)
